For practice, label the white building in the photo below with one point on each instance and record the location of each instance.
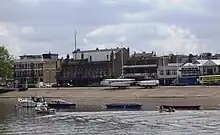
(95, 55)
(169, 73)
(208, 67)
(189, 70)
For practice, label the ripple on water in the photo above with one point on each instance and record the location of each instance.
(120, 122)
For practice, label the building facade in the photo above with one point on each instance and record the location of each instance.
(141, 65)
(189, 74)
(32, 69)
(90, 67)
(208, 67)
(28, 69)
(168, 73)
(50, 66)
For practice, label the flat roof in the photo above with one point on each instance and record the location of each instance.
(139, 66)
(99, 50)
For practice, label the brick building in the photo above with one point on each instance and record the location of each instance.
(50, 66)
(32, 69)
(90, 67)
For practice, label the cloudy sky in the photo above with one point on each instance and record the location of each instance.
(178, 26)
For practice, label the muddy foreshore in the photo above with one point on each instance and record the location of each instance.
(94, 98)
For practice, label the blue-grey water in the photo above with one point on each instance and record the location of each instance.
(26, 122)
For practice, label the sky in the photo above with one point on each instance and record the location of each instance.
(163, 26)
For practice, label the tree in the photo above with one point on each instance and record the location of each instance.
(6, 62)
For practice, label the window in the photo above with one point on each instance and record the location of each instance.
(107, 57)
(90, 58)
(168, 72)
(161, 72)
(174, 72)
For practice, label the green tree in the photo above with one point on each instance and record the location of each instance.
(6, 62)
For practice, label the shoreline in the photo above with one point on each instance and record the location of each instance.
(94, 98)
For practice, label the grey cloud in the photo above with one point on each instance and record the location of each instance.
(54, 22)
(57, 12)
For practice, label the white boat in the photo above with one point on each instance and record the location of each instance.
(26, 103)
(148, 83)
(42, 108)
(29, 102)
(117, 82)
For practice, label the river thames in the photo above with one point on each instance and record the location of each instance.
(26, 122)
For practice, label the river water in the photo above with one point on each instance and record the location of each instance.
(22, 122)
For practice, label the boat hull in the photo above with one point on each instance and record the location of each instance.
(45, 112)
(124, 106)
(62, 106)
(194, 107)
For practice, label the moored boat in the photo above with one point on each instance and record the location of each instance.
(162, 109)
(123, 106)
(61, 104)
(183, 107)
(26, 103)
(29, 102)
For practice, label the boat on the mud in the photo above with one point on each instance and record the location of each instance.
(61, 104)
(42, 108)
(123, 106)
(181, 107)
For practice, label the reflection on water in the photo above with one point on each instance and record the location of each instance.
(109, 122)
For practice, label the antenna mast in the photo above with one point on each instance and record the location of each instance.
(122, 61)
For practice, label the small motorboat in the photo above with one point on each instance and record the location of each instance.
(61, 104)
(162, 109)
(123, 106)
(29, 102)
(179, 107)
(42, 108)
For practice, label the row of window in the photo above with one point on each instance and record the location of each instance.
(28, 66)
(189, 72)
(29, 73)
(79, 70)
(168, 72)
(141, 70)
(87, 74)
(27, 80)
(189, 68)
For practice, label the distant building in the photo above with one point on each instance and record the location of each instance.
(168, 73)
(141, 65)
(91, 66)
(31, 69)
(190, 70)
(182, 58)
(208, 67)
(50, 66)
(28, 69)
